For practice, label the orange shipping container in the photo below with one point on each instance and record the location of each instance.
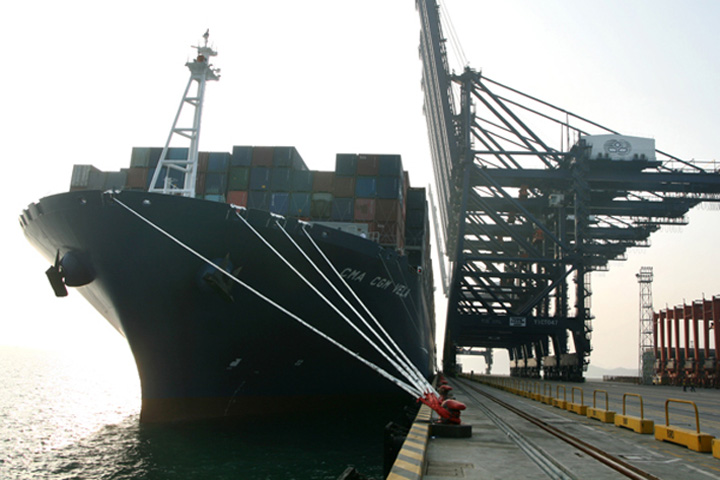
(238, 197)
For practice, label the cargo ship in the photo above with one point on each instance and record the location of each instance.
(245, 283)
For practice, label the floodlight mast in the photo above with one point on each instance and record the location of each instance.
(183, 167)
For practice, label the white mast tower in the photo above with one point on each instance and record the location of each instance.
(200, 71)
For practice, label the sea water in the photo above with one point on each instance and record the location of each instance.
(75, 415)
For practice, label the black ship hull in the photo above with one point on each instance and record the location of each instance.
(206, 346)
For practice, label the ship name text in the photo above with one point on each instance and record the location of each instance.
(382, 283)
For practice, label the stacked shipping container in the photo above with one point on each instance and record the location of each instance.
(369, 193)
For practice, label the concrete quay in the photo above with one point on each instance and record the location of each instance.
(505, 446)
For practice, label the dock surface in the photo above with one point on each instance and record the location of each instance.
(505, 445)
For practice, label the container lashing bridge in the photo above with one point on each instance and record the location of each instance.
(531, 200)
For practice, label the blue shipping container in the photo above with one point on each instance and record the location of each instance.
(366, 187)
(241, 156)
(390, 165)
(259, 178)
(302, 181)
(281, 179)
(177, 177)
(299, 204)
(388, 187)
(259, 200)
(215, 183)
(342, 209)
(279, 203)
(218, 162)
(177, 153)
(345, 164)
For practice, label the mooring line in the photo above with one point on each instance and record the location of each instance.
(407, 366)
(403, 385)
(423, 380)
(329, 303)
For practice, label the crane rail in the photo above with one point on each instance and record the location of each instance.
(553, 468)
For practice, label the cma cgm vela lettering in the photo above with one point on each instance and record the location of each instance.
(245, 283)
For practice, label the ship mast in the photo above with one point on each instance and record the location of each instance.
(200, 71)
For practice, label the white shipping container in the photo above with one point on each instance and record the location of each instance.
(620, 147)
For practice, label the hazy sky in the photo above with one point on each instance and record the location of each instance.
(84, 82)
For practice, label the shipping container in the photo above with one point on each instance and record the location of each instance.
(281, 179)
(344, 187)
(259, 178)
(215, 198)
(288, 157)
(321, 205)
(218, 162)
(203, 158)
(414, 237)
(416, 199)
(342, 209)
(80, 176)
(323, 182)
(177, 153)
(366, 187)
(415, 218)
(238, 197)
(136, 178)
(215, 183)
(367, 165)
(299, 204)
(140, 157)
(262, 156)
(145, 156)
(388, 210)
(302, 180)
(241, 156)
(239, 178)
(259, 200)
(177, 178)
(390, 233)
(200, 184)
(364, 209)
(389, 187)
(279, 203)
(346, 164)
(96, 179)
(390, 165)
(115, 180)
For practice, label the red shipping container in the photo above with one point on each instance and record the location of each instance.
(344, 187)
(203, 158)
(388, 210)
(364, 209)
(367, 165)
(262, 156)
(238, 197)
(323, 182)
(200, 183)
(137, 178)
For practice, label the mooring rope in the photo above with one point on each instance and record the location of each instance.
(331, 304)
(403, 385)
(427, 386)
(404, 363)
